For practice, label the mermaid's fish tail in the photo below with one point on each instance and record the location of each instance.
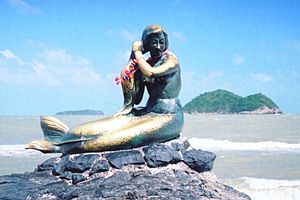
(43, 146)
(53, 129)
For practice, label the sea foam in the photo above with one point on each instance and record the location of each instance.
(226, 145)
(261, 189)
(17, 150)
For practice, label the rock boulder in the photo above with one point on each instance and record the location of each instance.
(159, 171)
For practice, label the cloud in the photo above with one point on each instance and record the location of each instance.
(202, 80)
(8, 55)
(125, 34)
(121, 58)
(261, 77)
(178, 35)
(25, 7)
(61, 57)
(57, 78)
(50, 67)
(195, 83)
(128, 35)
(238, 59)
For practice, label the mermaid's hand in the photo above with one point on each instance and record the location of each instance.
(137, 46)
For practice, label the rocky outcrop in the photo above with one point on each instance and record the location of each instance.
(263, 110)
(159, 171)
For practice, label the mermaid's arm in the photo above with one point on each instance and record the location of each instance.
(169, 66)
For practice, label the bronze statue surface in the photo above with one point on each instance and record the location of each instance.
(161, 120)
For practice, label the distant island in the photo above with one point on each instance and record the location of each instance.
(81, 112)
(225, 102)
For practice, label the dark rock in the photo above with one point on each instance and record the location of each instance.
(140, 173)
(183, 176)
(76, 178)
(121, 158)
(180, 146)
(30, 186)
(60, 168)
(177, 146)
(186, 144)
(120, 178)
(47, 165)
(66, 175)
(100, 166)
(81, 163)
(160, 155)
(198, 160)
(73, 177)
(134, 183)
(85, 190)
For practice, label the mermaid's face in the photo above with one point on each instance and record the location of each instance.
(157, 44)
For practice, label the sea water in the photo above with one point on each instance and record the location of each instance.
(256, 154)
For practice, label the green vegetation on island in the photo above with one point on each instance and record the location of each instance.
(225, 102)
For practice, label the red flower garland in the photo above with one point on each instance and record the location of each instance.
(128, 73)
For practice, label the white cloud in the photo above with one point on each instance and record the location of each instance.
(125, 34)
(60, 56)
(24, 7)
(202, 80)
(261, 77)
(8, 55)
(194, 83)
(121, 58)
(128, 35)
(50, 67)
(238, 59)
(178, 35)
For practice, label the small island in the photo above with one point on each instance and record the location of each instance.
(225, 102)
(81, 112)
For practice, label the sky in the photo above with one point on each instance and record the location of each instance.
(63, 55)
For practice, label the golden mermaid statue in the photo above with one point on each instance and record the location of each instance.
(159, 121)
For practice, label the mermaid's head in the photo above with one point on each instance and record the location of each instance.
(154, 31)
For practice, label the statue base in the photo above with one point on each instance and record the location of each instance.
(172, 170)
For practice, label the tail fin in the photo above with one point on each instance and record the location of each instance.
(43, 146)
(53, 129)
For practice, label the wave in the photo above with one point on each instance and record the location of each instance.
(261, 189)
(226, 145)
(17, 150)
